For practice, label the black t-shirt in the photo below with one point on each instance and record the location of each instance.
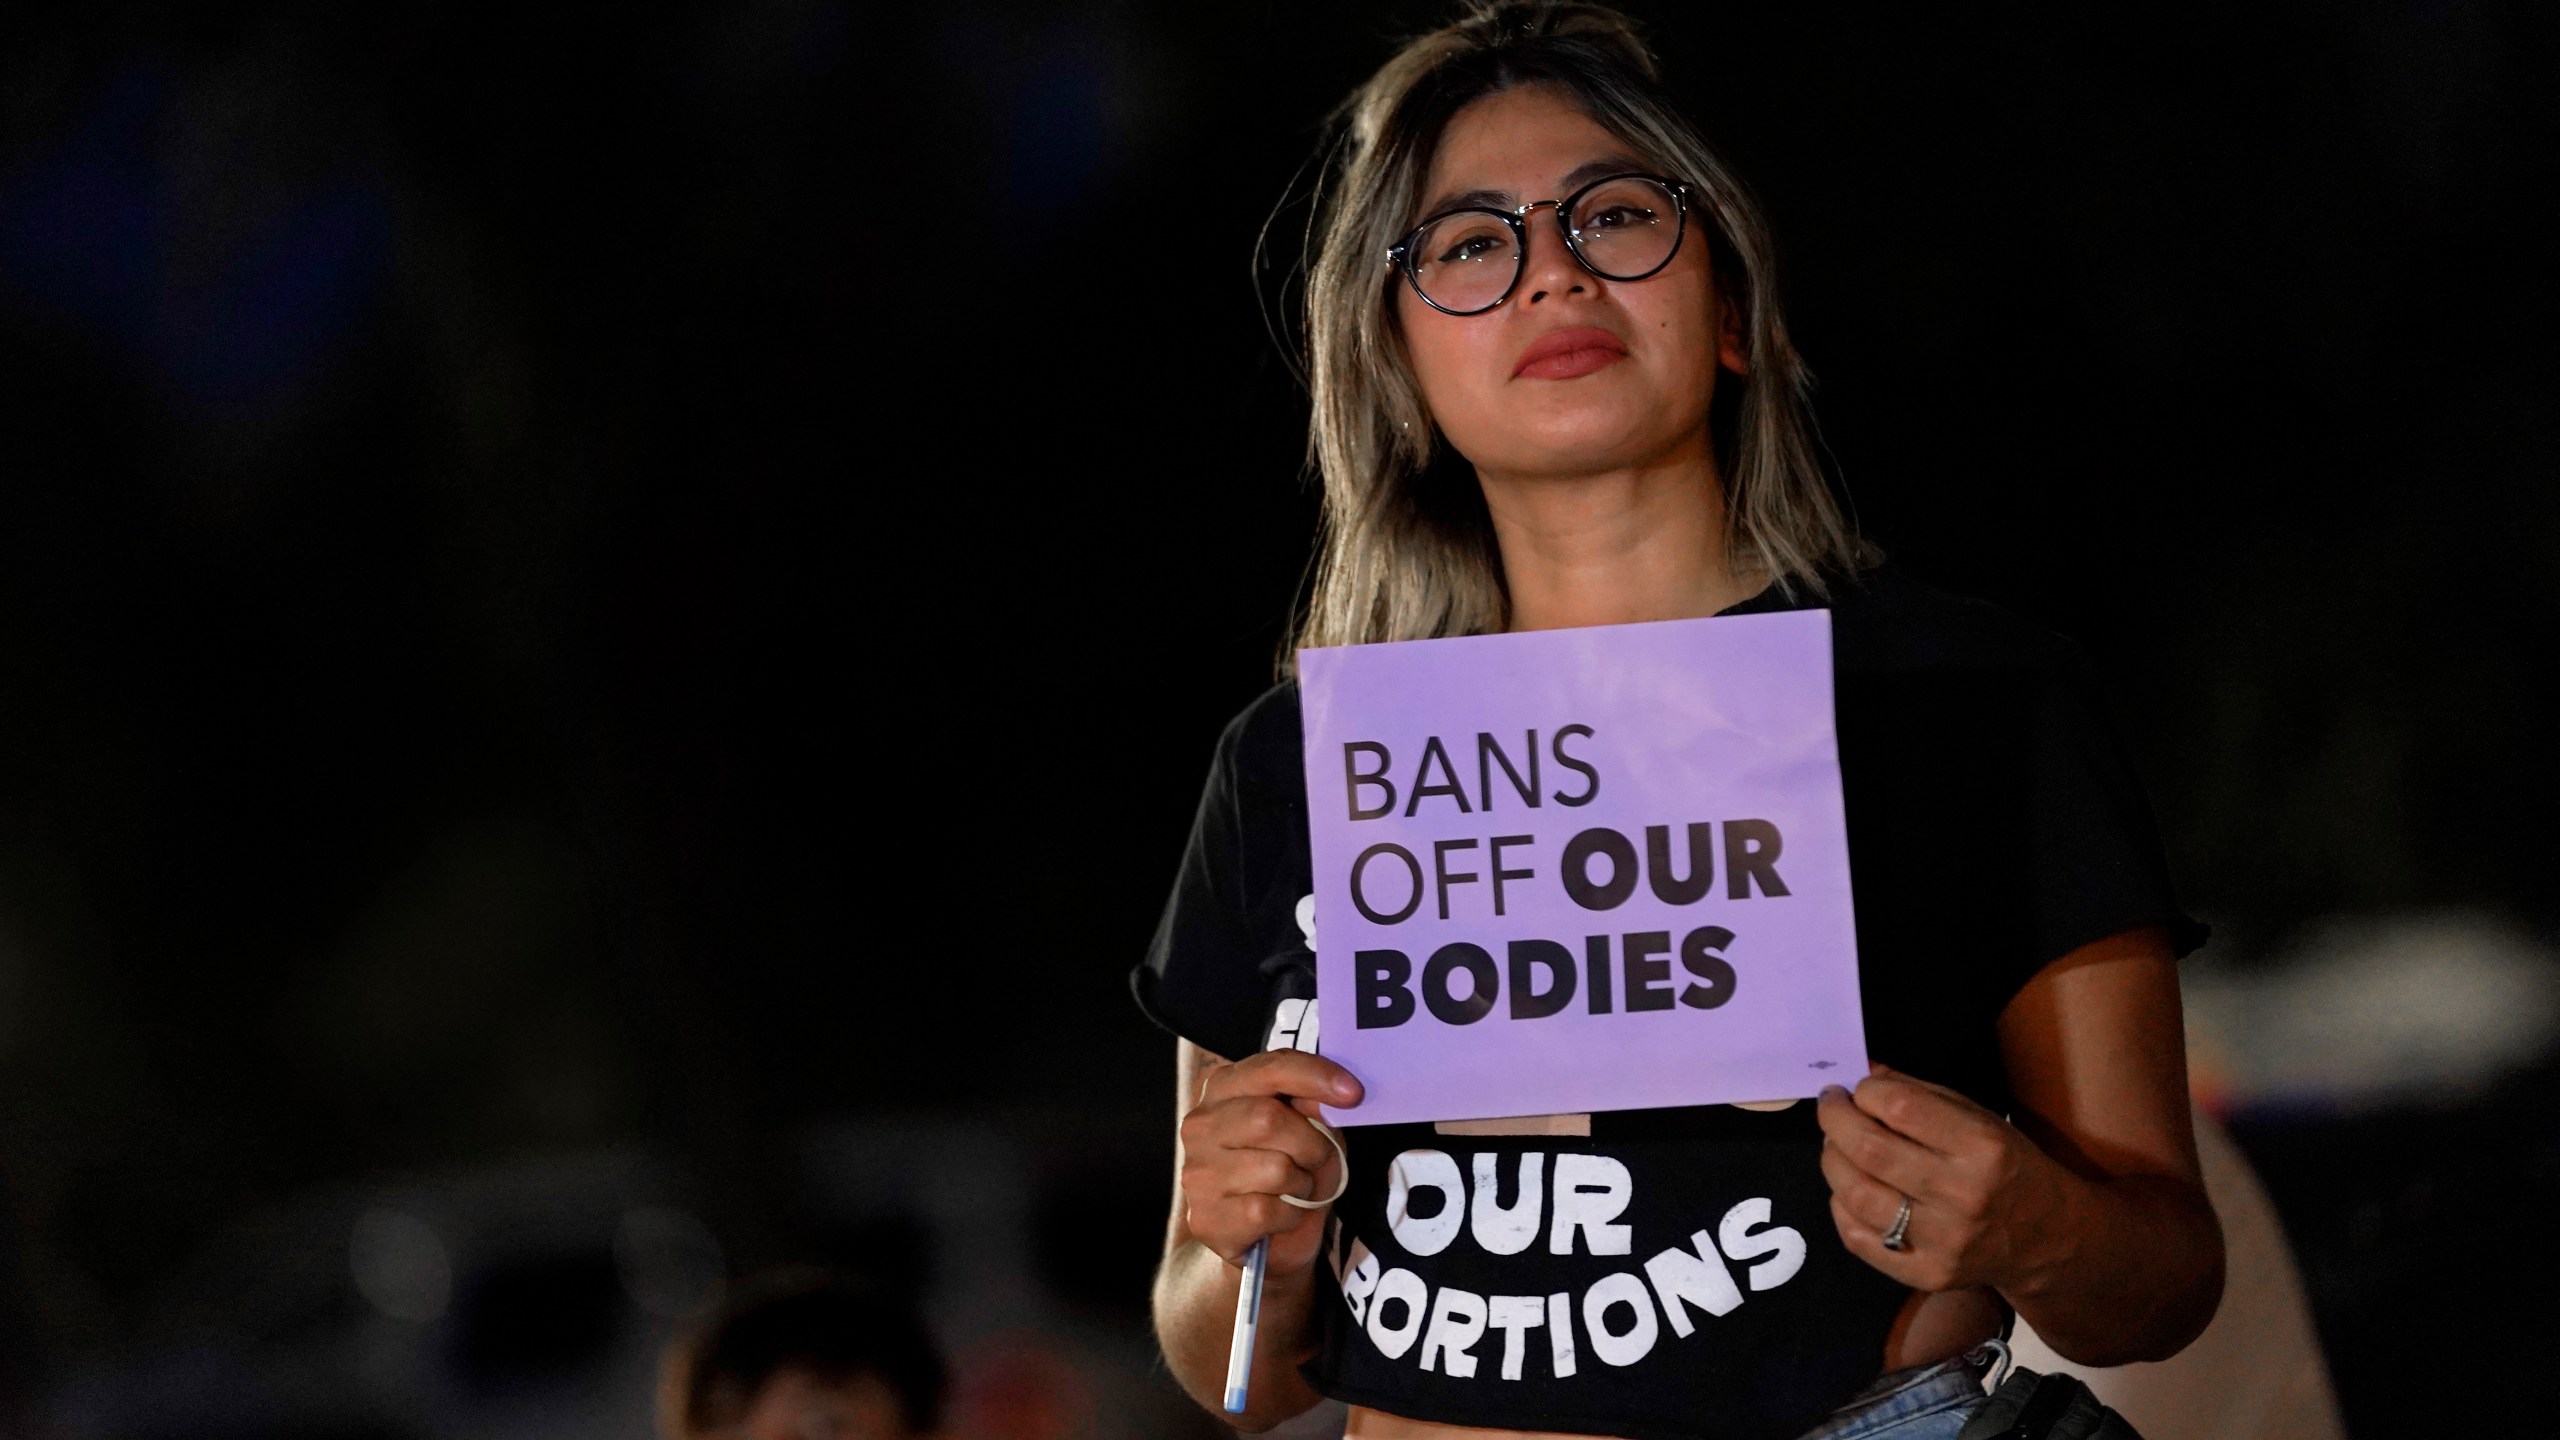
(1674, 1274)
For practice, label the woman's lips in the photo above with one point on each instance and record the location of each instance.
(1564, 354)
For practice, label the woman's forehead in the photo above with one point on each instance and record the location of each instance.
(1521, 142)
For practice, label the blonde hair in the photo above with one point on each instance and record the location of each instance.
(1407, 548)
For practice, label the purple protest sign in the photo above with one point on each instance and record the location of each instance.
(1582, 870)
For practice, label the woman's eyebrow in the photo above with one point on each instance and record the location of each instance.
(1600, 169)
(1579, 176)
(1469, 200)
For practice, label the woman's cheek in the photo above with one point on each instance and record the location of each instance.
(1452, 378)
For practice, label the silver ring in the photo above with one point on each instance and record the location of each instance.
(1896, 1237)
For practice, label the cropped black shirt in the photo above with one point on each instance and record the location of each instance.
(1674, 1274)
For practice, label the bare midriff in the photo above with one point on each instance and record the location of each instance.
(1930, 1328)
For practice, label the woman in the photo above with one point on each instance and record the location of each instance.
(1551, 388)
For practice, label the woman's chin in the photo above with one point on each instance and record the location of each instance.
(1579, 453)
(1593, 432)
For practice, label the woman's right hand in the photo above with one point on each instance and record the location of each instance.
(1250, 1138)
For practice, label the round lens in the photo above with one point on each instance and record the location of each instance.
(1626, 228)
(1465, 262)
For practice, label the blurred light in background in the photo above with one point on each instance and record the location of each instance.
(401, 1265)
(533, 1297)
(670, 1262)
(1067, 102)
(2367, 1014)
(171, 222)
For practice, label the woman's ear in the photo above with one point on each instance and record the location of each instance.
(1733, 352)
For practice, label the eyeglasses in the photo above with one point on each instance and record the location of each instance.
(1621, 227)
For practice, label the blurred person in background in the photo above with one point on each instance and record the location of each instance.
(802, 1355)
(1536, 407)
(2257, 1372)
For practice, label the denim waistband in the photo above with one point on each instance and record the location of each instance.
(1899, 1395)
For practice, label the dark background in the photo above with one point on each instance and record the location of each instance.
(657, 576)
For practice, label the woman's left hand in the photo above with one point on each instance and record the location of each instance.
(1981, 1193)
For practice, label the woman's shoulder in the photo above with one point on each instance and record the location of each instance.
(1885, 621)
(1264, 744)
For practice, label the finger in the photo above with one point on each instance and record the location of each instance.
(1253, 1123)
(1897, 1160)
(1285, 1072)
(1230, 1226)
(1934, 1116)
(1926, 1262)
(1274, 1126)
(1210, 1067)
(1228, 1208)
(1874, 1202)
(1226, 1216)
(1867, 1243)
(1268, 1172)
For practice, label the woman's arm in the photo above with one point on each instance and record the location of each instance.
(2087, 1214)
(1242, 1144)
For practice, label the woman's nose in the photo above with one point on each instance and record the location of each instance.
(1550, 268)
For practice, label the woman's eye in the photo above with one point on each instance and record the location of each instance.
(1619, 217)
(1473, 247)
